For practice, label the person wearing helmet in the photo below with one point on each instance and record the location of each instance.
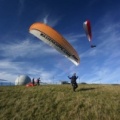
(73, 81)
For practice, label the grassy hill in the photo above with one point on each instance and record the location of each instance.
(59, 102)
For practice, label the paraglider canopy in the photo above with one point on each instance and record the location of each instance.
(87, 28)
(54, 39)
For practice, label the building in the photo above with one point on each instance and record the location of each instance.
(22, 80)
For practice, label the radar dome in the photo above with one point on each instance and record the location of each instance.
(22, 80)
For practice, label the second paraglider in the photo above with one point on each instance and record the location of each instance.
(87, 28)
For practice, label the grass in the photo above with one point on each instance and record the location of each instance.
(59, 102)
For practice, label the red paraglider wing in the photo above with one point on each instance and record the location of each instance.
(87, 28)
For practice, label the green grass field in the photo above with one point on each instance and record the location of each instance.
(59, 102)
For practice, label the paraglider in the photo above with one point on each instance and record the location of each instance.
(55, 40)
(87, 28)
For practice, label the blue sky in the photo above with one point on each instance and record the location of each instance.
(22, 53)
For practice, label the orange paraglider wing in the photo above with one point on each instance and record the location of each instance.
(54, 39)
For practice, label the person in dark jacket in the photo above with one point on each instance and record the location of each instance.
(38, 81)
(73, 81)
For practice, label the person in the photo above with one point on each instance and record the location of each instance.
(92, 46)
(73, 81)
(33, 81)
(38, 81)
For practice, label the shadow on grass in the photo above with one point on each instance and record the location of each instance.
(86, 89)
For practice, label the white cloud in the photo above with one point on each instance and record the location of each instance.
(105, 75)
(10, 70)
(49, 19)
(8, 64)
(45, 76)
(72, 37)
(8, 76)
(45, 19)
(26, 49)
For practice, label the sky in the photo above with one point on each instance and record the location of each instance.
(22, 53)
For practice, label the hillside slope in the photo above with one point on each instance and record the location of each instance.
(59, 102)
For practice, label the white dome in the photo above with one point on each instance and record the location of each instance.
(22, 80)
